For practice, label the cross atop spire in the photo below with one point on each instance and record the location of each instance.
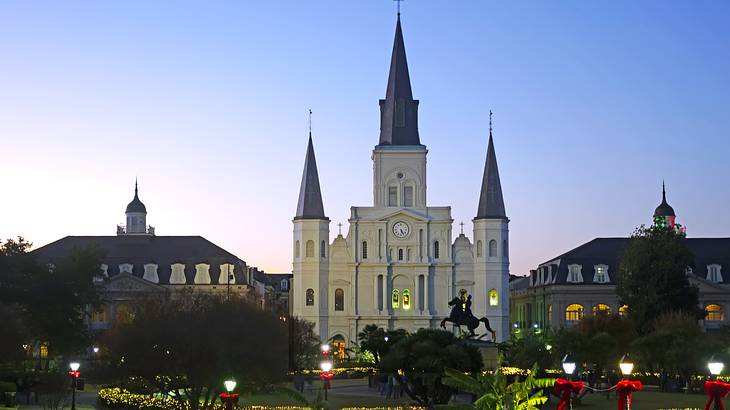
(310, 122)
(398, 1)
(462, 227)
(399, 111)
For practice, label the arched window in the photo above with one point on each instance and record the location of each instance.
(364, 249)
(400, 254)
(574, 312)
(322, 250)
(436, 253)
(309, 252)
(479, 249)
(601, 309)
(338, 347)
(396, 299)
(339, 299)
(714, 312)
(623, 310)
(100, 314)
(310, 297)
(297, 252)
(492, 248)
(406, 299)
(493, 297)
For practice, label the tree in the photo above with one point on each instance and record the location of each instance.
(530, 348)
(418, 361)
(303, 345)
(53, 300)
(13, 336)
(186, 345)
(378, 341)
(652, 276)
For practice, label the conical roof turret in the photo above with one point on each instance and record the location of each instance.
(491, 202)
(310, 196)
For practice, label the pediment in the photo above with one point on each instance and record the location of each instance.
(705, 286)
(340, 282)
(125, 282)
(406, 212)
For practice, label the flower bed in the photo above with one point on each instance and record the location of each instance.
(116, 398)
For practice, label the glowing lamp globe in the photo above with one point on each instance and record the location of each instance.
(715, 366)
(96, 349)
(230, 385)
(74, 366)
(626, 365)
(568, 364)
(326, 366)
(325, 348)
(386, 338)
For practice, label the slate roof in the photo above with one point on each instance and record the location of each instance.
(399, 111)
(310, 204)
(608, 251)
(142, 249)
(491, 202)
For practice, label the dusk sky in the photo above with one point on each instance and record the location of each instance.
(206, 103)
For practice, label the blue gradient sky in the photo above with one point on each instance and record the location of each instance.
(206, 102)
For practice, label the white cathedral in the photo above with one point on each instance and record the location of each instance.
(398, 266)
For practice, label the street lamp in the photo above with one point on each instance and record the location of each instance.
(326, 375)
(626, 365)
(715, 366)
(569, 367)
(229, 398)
(74, 373)
(325, 349)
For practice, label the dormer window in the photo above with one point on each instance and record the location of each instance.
(104, 268)
(601, 274)
(202, 274)
(126, 268)
(713, 273)
(178, 273)
(227, 276)
(574, 274)
(150, 273)
(284, 284)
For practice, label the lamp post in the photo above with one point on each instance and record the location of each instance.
(229, 397)
(569, 368)
(715, 366)
(74, 373)
(326, 367)
(626, 365)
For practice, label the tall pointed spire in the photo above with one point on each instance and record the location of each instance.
(491, 203)
(310, 197)
(399, 111)
(136, 205)
(664, 209)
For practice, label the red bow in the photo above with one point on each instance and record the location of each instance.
(564, 388)
(624, 388)
(717, 390)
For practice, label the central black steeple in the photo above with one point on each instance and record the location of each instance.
(399, 111)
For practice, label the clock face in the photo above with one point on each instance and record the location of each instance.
(401, 229)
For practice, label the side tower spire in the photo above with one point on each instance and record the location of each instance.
(136, 214)
(491, 202)
(399, 111)
(310, 196)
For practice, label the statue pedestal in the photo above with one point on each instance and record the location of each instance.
(489, 352)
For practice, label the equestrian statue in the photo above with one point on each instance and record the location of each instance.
(461, 315)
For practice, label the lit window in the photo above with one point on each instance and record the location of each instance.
(125, 313)
(601, 274)
(227, 276)
(406, 299)
(408, 196)
(392, 196)
(100, 314)
(396, 299)
(492, 248)
(714, 313)
(43, 350)
(364, 250)
(309, 253)
(574, 312)
(339, 299)
(493, 297)
(436, 253)
(601, 309)
(310, 297)
(623, 310)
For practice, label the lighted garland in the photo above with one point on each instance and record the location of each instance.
(117, 397)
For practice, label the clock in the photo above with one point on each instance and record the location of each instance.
(401, 229)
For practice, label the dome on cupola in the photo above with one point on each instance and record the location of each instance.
(136, 205)
(664, 209)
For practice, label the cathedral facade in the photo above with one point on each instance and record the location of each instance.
(398, 266)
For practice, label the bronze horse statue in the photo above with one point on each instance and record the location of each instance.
(461, 315)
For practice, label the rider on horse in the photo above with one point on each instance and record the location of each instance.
(461, 315)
